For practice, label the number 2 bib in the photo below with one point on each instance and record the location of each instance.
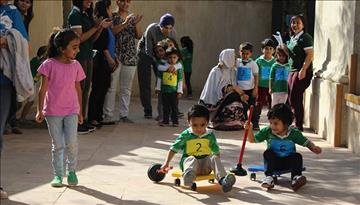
(198, 147)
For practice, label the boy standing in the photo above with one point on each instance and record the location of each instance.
(247, 77)
(264, 63)
(201, 153)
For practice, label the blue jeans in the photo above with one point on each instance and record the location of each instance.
(63, 133)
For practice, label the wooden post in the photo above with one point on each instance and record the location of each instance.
(338, 114)
(352, 73)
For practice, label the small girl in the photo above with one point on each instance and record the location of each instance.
(187, 55)
(278, 83)
(60, 102)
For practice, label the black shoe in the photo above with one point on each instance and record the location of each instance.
(148, 116)
(95, 124)
(82, 129)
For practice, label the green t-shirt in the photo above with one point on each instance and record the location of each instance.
(193, 145)
(77, 20)
(264, 70)
(281, 146)
(279, 74)
(297, 53)
(169, 81)
(186, 59)
(34, 65)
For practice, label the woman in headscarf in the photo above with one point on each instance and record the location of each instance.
(222, 96)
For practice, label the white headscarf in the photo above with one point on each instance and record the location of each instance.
(219, 77)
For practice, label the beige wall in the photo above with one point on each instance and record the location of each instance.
(213, 26)
(336, 37)
(47, 14)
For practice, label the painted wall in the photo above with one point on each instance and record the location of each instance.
(47, 14)
(336, 37)
(213, 26)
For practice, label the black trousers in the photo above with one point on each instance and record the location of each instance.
(169, 101)
(273, 163)
(100, 85)
(188, 83)
(144, 65)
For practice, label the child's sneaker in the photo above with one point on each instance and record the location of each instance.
(268, 182)
(227, 182)
(297, 182)
(72, 179)
(57, 181)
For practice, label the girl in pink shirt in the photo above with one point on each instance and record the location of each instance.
(60, 102)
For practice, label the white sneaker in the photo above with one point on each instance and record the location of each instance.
(268, 182)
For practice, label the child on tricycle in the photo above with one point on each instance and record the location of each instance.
(201, 153)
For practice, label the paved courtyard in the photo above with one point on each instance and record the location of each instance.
(113, 162)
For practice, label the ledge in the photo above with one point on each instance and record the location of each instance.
(353, 101)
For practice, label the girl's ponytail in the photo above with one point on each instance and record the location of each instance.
(52, 50)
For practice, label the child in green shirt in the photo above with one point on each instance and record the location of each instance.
(281, 139)
(169, 85)
(264, 63)
(200, 151)
(279, 73)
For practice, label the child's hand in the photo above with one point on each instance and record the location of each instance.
(316, 149)
(248, 125)
(244, 97)
(39, 117)
(165, 168)
(255, 92)
(270, 91)
(80, 119)
(178, 95)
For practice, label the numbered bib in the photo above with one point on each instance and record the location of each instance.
(169, 79)
(265, 73)
(281, 74)
(243, 73)
(198, 147)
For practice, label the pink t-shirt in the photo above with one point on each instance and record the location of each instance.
(61, 97)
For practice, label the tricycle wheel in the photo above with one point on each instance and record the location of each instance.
(177, 182)
(193, 186)
(154, 174)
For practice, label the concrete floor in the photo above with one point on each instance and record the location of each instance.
(113, 163)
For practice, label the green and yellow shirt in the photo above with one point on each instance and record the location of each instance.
(193, 145)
